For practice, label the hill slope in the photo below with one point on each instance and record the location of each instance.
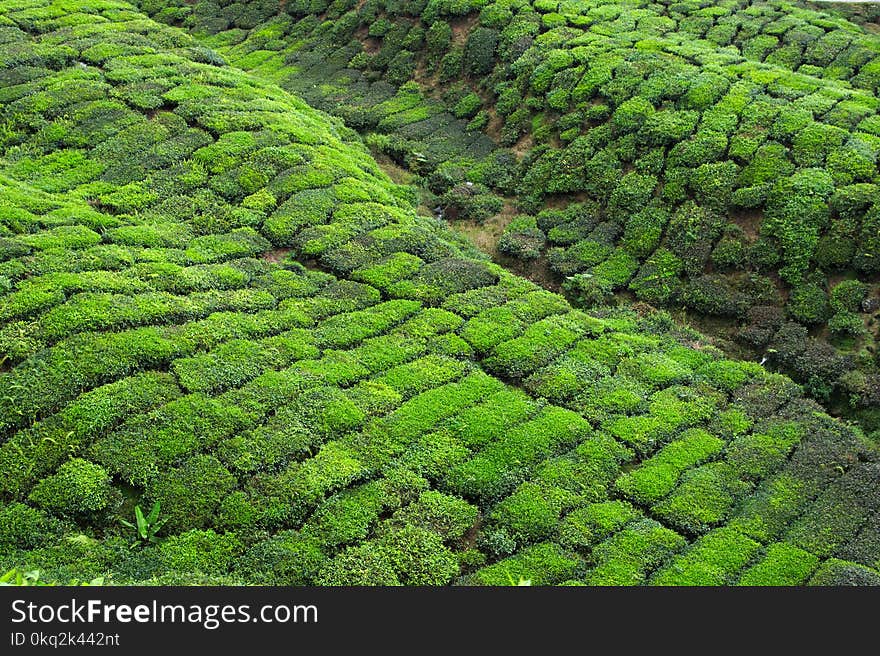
(720, 158)
(214, 299)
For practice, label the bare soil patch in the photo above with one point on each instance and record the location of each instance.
(276, 255)
(749, 220)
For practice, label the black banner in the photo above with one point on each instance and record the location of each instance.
(148, 620)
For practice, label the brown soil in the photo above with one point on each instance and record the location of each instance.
(720, 332)
(782, 287)
(561, 201)
(749, 220)
(398, 174)
(469, 539)
(371, 44)
(486, 236)
(538, 271)
(836, 278)
(493, 127)
(461, 27)
(276, 255)
(522, 147)
(427, 81)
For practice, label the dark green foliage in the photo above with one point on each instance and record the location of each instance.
(35, 451)
(713, 183)
(216, 304)
(437, 39)
(438, 280)
(863, 547)
(190, 495)
(448, 516)
(24, 527)
(848, 295)
(479, 51)
(758, 454)
(522, 238)
(366, 564)
(643, 231)
(348, 517)
(692, 231)
(630, 195)
(657, 279)
(418, 556)
(470, 201)
(808, 303)
(838, 513)
(78, 488)
(146, 443)
(835, 572)
(287, 558)
(638, 132)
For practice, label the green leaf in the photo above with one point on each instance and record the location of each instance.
(141, 522)
(154, 514)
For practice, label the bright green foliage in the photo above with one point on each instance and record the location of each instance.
(287, 558)
(529, 514)
(78, 488)
(783, 564)
(147, 526)
(703, 499)
(593, 523)
(448, 516)
(204, 552)
(496, 469)
(25, 527)
(759, 119)
(657, 476)
(714, 559)
(542, 564)
(628, 556)
(227, 337)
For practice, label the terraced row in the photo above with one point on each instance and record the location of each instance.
(720, 157)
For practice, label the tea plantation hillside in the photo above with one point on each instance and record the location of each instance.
(213, 299)
(719, 157)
